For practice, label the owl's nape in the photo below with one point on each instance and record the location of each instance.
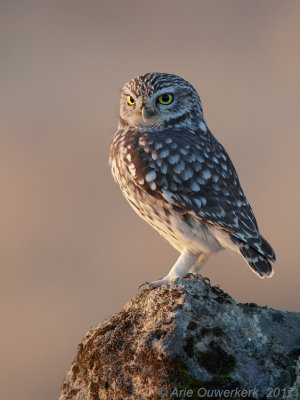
(180, 179)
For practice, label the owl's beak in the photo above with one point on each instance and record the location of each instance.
(147, 113)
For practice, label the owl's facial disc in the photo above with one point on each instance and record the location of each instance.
(156, 100)
(145, 110)
(153, 110)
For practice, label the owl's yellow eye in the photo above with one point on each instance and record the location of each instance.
(130, 100)
(165, 99)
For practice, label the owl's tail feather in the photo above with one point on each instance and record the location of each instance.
(267, 249)
(259, 264)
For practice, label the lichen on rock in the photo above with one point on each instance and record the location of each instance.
(188, 339)
(294, 392)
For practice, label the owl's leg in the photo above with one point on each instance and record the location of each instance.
(182, 266)
(199, 263)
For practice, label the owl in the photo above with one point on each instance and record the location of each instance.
(179, 178)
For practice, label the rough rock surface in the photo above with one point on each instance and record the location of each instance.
(187, 340)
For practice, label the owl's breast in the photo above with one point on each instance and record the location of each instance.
(120, 158)
(182, 231)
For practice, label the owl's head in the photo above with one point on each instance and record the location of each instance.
(155, 100)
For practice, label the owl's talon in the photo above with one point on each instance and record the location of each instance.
(143, 284)
(190, 275)
(158, 283)
(155, 284)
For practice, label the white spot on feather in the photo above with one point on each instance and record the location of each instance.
(224, 166)
(132, 169)
(183, 151)
(164, 153)
(201, 180)
(142, 141)
(150, 176)
(203, 200)
(203, 126)
(206, 174)
(187, 173)
(194, 186)
(179, 167)
(158, 145)
(197, 202)
(164, 168)
(168, 196)
(216, 187)
(152, 185)
(173, 159)
(159, 162)
(154, 155)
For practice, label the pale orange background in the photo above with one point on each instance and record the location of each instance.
(72, 250)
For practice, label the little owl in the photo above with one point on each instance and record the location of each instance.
(180, 179)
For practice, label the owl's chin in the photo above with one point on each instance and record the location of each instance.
(151, 123)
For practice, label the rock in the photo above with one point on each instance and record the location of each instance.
(188, 340)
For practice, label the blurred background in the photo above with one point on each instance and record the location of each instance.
(72, 250)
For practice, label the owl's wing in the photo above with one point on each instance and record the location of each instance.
(192, 172)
